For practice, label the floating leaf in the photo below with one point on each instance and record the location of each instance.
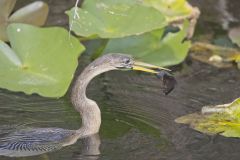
(220, 119)
(41, 60)
(112, 19)
(152, 48)
(35, 13)
(172, 9)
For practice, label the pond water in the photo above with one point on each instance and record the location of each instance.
(137, 118)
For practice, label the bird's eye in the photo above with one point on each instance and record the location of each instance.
(126, 60)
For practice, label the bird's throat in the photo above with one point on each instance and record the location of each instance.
(88, 109)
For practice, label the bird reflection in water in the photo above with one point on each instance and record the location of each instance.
(34, 141)
(90, 148)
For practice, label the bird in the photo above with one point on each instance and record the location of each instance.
(30, 141)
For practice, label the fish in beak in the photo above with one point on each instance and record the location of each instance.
(168, 81)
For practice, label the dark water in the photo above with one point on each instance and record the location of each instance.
(138, 119)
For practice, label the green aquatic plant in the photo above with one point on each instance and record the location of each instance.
(135, 27)
(113, 19)
(153, 47)
(219, 119)
(41, 60)
(35, 13)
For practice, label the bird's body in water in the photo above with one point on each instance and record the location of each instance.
(35, 141)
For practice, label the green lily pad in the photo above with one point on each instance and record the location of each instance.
(114, 19)
(172, 9)
(220, 119)
(35, 13)
(152, 48)
(41, 60)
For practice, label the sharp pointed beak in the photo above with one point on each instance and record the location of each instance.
(141, 66)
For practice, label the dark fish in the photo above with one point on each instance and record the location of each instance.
(169, 82)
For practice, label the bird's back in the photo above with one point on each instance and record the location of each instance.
(35, 141)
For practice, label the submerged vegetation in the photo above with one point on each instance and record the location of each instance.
(33, 65)
(220, 119)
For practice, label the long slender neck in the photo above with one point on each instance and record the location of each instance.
(89, 110)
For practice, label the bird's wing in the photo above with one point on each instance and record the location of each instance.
(33, 141)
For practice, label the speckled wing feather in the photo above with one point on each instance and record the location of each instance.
(33, 141)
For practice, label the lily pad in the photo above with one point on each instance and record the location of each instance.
(152, 47)
(114, 19)
(35, 13)
(220, 119)
(41, 60)
(172, 9)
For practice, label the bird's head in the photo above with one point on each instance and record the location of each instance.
(126, 62)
